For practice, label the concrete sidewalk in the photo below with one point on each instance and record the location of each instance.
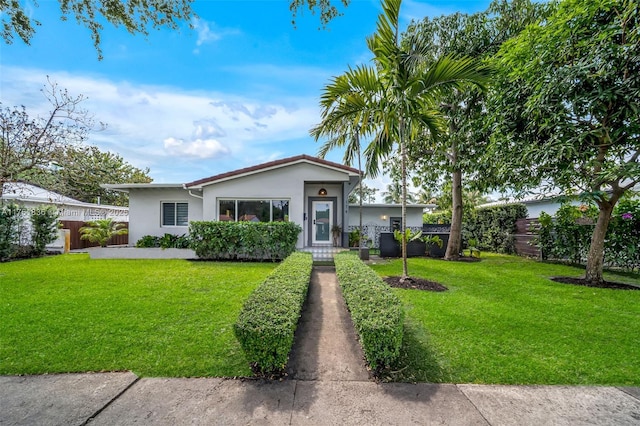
(328, 385)
(123, 399)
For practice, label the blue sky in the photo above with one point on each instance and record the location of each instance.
(239, 89)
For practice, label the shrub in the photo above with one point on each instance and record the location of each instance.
(376, 312)
(11, 217)
(101, 231)
(243, 240)
(268, 320)
(165, 242)
(567, 235)
(44, 228)
(494, 227)
(148, 241)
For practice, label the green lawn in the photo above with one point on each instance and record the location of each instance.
(504, 322)
(155, 317)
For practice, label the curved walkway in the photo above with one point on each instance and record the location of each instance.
(328, 385)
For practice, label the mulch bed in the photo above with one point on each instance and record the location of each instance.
(413, 283)
(604, 284)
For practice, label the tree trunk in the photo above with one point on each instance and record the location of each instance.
(360, 191)
(403, 166)
(455, 235)
(595, 258)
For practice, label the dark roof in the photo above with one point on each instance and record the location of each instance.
(270, 165)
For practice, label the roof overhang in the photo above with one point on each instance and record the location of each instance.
(126, 187)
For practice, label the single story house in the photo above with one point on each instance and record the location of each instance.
(72, 213)
(309, 191)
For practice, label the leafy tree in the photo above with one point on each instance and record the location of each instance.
(29, 145)
(368, 195)
(565, 107)
(136, 16)
(463, 144)
(79, 170)
(393, 194)
(397, 99)
(44, 228)
(101, 231)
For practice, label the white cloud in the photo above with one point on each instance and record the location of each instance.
(209, 148)
(174, 131)
(208, 32)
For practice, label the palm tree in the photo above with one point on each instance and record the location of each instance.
(395, 101)
(100, 231)
(345, 118)
(393, 194)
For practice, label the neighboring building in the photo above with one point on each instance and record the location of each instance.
(379, 218)
(309, 191)
(71, 213)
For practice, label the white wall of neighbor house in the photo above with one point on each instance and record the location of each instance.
(145, 211)
(380, 215)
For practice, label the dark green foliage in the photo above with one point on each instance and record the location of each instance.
(243, 240)
(268, 320)
(493, 227)
(44, 227)
(165, 242)
(10, 221)
(567, 235)
(376, 312)
(437, 218)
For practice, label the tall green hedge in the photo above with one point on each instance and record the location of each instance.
(266, 325)
(493, 228)
(376, 312)
(243, 240)
(567, 235)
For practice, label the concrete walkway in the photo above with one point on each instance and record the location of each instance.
(328, 385)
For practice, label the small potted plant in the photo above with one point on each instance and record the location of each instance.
(336, 232)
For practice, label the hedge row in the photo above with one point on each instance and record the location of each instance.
(243, 240)
(493, 228)
(376, 312)
(269, 317)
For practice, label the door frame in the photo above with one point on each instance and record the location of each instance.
(310, 200)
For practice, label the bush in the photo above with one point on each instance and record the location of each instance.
(494, 227)
(243, 240)
(266, 325)
(44, 228)
(11, 217)
(567, 235)
(376, 312)
(165, 242)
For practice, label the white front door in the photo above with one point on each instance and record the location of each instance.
(322, 216)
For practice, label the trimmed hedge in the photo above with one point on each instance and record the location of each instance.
(243, 240)
(266, 325)
(376, 312)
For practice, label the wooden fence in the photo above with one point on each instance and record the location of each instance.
(524, 237)
(77, 243)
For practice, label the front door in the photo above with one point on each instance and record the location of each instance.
(322, 215)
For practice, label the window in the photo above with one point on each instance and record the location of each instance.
(253, 210)
(175, 214)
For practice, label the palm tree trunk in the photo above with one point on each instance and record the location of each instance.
(360, 190)
(403, 166)
(455, 234)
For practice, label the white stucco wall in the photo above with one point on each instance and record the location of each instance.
(286, 183)
(373, 214)
(145, 211)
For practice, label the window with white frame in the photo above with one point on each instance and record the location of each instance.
(267, 210)
(175, 214)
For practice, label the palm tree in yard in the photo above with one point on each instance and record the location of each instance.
(396, 100)
(345, 119)
(101, 231)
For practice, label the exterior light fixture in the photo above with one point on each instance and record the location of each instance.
(384, 217)
(322, 192)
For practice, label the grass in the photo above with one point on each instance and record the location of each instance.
(503, 321)
(168, 318)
